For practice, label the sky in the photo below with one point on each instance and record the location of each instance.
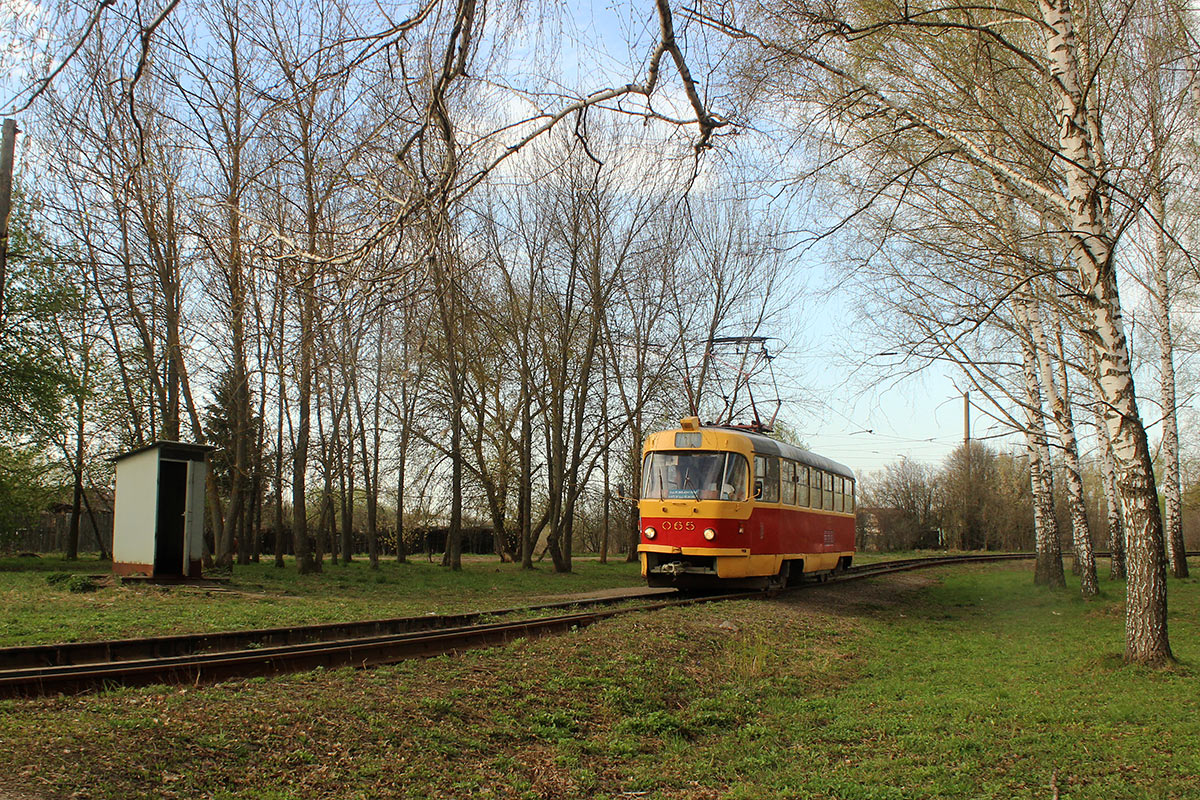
(594, 45)
(863, 418)
(834, 410)
(867, 424)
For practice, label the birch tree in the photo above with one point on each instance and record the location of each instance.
(809, 43)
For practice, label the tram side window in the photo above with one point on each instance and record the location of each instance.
(814, 483)
(802, 486)
(766, 479)
(789, 483)
(839, 493)
(827, 495)
(850, 496)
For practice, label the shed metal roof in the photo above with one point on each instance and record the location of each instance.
(186, 450)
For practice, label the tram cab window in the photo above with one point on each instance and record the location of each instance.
(801, 486)
(766, 479)
(850, 496)
(789, 483)
(694, 476)
(734, 485)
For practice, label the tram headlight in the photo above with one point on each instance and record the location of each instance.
(710, 534)
(651, 533)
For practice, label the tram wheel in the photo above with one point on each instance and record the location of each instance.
(780, 580)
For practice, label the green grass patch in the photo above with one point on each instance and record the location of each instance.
(959, 683)
(872, 557)
(50, 599)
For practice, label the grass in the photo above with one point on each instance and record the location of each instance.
(50, 600)
(869, 557)
(962, 683)
(41, 606)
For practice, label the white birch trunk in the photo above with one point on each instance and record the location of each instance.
(1116, 524)
(1172, 494)
(1085, 554)
(1049, 569)
(1112, 497)
(1091, 248)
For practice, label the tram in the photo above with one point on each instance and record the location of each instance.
(731, 507)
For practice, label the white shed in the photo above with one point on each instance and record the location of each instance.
(158, 524)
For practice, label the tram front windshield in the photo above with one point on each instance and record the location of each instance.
(694, 475)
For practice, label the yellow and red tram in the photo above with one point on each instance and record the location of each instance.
(732, 507)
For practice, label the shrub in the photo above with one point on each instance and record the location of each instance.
(80, 584)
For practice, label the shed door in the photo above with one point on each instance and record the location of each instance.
(193, 528)
(170, 550)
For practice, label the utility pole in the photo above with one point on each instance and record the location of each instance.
(966, 419)
(7, 145)
(967, 455)
(607, 445)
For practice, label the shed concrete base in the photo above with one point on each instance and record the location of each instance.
(123, 568)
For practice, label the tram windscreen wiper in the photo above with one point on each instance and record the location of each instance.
(687, 478)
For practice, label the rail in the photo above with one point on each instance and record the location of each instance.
(207, 657)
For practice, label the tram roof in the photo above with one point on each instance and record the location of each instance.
(765, 445)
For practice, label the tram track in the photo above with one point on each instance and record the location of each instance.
(135, 649)
(357, 651)
(209, 657)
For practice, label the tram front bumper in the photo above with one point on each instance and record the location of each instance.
(718, 562)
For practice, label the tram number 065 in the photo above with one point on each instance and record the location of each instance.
(678, 525)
